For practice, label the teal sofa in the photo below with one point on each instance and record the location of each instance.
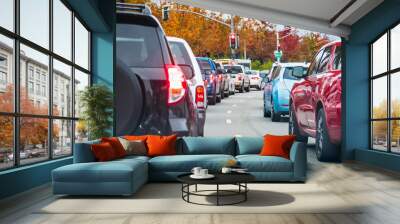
(125, 176)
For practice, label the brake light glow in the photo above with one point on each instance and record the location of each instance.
(199, 96)
(220, 77)
(211, 78)
(176, 83)
(240, 77)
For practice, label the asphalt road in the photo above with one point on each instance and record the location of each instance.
(242, 114)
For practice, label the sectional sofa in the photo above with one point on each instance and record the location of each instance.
(125, 176)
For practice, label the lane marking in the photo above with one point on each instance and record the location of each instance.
(228, 121)
(234, 105)
(229, 112)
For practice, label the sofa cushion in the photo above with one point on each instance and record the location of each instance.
(277, 145)
(185, 163)
(161, 145)
(112, 171)
(116, 145)
(257, 163)
(249, 145)
(103, 152)
(207, 145)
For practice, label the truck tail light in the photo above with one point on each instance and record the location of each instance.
(199, 96)
(176, 84)
(211, 78)
(220, 77)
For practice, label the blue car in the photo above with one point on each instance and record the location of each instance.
(212, 80)
(277, 89)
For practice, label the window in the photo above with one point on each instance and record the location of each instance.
(180, 53)
(81, 45)
(337, 61)
(314, 64)
(7, 14)
(143, 41)
(323, 65)
(385, 97)
(46, 74)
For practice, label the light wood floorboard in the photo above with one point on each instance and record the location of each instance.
(378, 190)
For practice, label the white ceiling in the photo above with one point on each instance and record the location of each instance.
(313, 15)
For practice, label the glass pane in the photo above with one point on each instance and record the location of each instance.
(81, 45)
(81, 131)
(379, 135)
(379, 98)
(379, 56)
(81, 82)
(62, 138)
(33, 140)
(6, 142)
(62, 29)
(7, 14)
(62, 89)
(395, 94)
(395, 47)
(34, 79)
(395, 136)
(35, 21)
(6, 74)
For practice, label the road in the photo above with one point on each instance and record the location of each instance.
(242, 114)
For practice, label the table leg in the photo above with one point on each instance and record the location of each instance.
(245, 193)
(196, 187)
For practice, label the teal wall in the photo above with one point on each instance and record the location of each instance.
(99, 16)
(355, 79)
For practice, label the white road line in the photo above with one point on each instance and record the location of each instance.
(229, 112)
(228, 121)
(234, 105)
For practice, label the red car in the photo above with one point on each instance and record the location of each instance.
(315, 103)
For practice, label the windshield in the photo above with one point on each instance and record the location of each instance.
(234, 69)
(288, 73)
(138, 46)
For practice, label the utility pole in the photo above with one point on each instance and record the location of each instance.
(244, 50)
(232, 31)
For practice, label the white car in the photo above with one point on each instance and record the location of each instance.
(183, 54)
(242, 81)
(255, 79)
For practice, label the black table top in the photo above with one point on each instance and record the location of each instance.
(220, 178)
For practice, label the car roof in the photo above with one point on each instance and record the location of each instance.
(292, 64)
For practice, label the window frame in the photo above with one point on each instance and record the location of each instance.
(16, 114)
(388, 75)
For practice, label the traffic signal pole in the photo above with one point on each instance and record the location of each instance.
(232, 31)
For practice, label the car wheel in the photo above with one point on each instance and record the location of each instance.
(266, 113)
(275, 116)
(222, 94)
(213, 99)
(325, 150)
(248, 88)
(241, 90)
(294, 128)
(226, 94)
(219, 97)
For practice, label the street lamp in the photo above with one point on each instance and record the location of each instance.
(278, 52)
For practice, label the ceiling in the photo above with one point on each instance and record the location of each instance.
(327, 16)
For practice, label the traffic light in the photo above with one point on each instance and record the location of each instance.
(165, 13)
(232, 40)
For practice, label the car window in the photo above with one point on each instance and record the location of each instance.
(277, 70)
(204, 65)
(138, 46)
(314, 64)
(235, 69)
(323, 65)
(337, 61)
(180, 53)
(287, 74)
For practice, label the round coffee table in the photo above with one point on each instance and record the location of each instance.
(238, 179)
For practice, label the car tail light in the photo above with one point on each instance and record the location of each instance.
(199, 96)
(176, 83)
(254, 78)
(240, 77)
(220, 77)
(211, 78)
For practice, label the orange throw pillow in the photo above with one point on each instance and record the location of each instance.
(116, 145)
(277, 145)
(135, 137)
(161, 145)
(103, 152)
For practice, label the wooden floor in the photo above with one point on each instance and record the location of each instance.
(379, 190)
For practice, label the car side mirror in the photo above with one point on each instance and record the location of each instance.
(298, 72)
(187, 71)
(262, 75)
